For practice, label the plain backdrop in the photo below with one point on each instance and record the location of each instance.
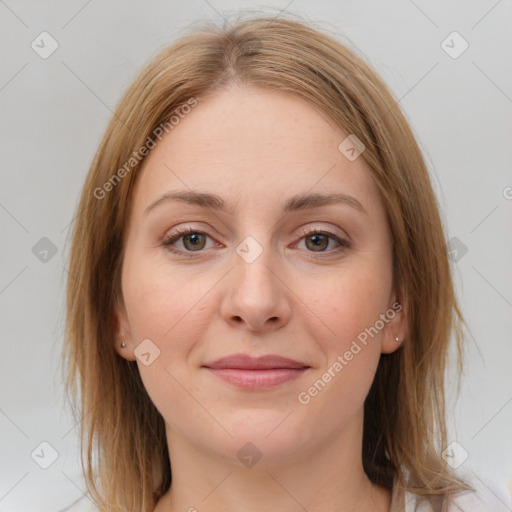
(55, 109)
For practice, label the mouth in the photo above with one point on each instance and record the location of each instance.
(248, 372)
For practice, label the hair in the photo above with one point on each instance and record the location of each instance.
(123, 444)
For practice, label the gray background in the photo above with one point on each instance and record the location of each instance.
(54, 111)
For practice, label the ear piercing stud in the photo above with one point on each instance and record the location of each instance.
(123, 344)
(397, 339)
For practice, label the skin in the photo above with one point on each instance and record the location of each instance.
(256, 148)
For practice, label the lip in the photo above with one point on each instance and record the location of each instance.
(247, 362)
(264, 372)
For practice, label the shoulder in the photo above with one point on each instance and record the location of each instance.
(487, 497)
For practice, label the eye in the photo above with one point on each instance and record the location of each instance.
(193, 240)
(318, 241)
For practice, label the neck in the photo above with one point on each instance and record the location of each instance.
(327, 477)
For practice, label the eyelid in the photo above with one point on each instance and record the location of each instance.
(342, 240)
(180, 232)
(327, 231)
(190, 228)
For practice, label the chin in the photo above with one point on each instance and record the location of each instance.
(271, 436)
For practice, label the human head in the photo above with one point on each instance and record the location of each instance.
(406, 401)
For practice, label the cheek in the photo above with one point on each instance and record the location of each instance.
(348, 304)
(349, 336)
(173, 310)
(162, 303)
(165, 307)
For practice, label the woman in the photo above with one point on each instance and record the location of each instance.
(260, 302)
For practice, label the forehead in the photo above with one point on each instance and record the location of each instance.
(255, 145)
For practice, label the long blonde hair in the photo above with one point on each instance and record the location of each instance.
(124, 450)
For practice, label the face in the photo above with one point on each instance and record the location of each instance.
(289, 255)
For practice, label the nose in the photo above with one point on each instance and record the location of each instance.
(257, 298)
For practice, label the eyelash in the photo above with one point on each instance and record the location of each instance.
(180, 232)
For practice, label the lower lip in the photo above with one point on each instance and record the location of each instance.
(257, 379)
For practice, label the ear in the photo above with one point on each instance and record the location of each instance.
(123, 333)
(396, 326)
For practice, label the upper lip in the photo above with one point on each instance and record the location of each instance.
(246, 362)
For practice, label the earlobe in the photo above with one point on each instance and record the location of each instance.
(392, 341)
(122, 338)
(395, 332)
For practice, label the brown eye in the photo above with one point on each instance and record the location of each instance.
(317, 242)
(194, 241)
(186, 241)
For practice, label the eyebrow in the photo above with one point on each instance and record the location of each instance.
(294, 203)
